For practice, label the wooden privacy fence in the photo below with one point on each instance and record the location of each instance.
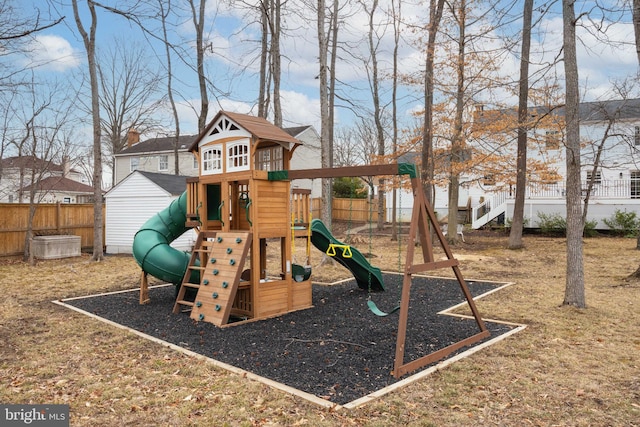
(357, 210)
(49, 219)
(77, 219)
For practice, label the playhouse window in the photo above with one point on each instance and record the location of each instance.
(238, 157)
(212, 160)
(270, 159)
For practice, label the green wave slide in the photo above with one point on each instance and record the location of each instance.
(367, 276)
(151, 244)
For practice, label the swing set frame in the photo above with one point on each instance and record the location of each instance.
(423, 219)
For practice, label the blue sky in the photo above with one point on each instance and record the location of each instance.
(59, 51)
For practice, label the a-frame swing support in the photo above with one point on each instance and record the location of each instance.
(422, 216)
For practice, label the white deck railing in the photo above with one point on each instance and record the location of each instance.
(495, 204)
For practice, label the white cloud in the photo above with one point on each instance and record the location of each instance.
(52, 52)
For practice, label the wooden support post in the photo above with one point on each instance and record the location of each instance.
(144, 289)
(423, 216)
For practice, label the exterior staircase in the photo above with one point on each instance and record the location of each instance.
(489, 210)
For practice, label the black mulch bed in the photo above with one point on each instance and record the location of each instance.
(337, 350)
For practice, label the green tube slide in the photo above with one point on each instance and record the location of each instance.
(367, 276)
(151, 244)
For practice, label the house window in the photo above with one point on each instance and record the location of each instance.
(552, 140)
(635, 184)
(195, 162)
(212, 160)
(163, 162)
(270, 159)
(238, 157)
(66, 200)
(10, 198)
(134, 163)
(597, 179)
(636, 136)
(489, 180)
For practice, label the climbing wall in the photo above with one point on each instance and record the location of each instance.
(220, 278)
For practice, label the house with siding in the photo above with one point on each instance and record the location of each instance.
(158, 155)
(52, 182)
(610, 160)
(135, 199)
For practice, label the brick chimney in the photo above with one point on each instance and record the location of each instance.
(133, 137)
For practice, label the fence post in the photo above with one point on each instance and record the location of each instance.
(58, 216)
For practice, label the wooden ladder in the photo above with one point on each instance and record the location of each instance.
(221, 277)
(198, 261)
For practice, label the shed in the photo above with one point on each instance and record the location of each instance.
(133, 201)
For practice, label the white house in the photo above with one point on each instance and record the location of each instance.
(134, 200)
(613, 125)
(306, 156)
(52, 182)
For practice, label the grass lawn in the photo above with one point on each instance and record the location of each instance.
(569, 367)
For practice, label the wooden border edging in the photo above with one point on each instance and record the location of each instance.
(294, 391)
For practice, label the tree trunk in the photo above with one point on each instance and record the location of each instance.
(198, 23)
(457, 143)
(435, 15)
(275, 58)
(397, 18)
(636, 25)
(90, 46)
(264, 49)
(517, 223)
(174, 110)
(574, 289)
(323, 45)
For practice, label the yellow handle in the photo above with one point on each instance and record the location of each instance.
(346, 250)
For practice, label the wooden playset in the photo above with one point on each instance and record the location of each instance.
(242, 201)
(238, 212)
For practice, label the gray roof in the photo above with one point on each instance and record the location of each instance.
(295, 131)
(159, 144)
(173, 184)
(599, 111)
(605, 110)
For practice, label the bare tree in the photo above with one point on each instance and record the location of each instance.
(42, 120)
(15, 31)
(396, 15)
(515, 235)
(459, 12)
(129, 96)
(89, 40)
(198, 16)
(574, 290)
(325, 118)
(164, 13)
(636, 25)
(436, 8)
(372, 68)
